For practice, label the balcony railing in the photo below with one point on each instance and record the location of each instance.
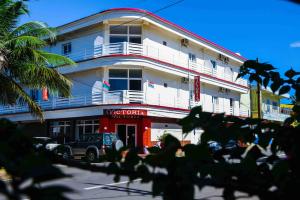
(108, 98)
(159, 53)
(274, 113)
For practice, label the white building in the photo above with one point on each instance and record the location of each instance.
(150, 64)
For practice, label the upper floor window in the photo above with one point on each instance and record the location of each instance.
(192, 57)
(34, 94)
(125, 79)
(67, 48)
(274, 105)
(131, 34)
(214, 64)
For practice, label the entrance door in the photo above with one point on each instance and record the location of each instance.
(127, 133)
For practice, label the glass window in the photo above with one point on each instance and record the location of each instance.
(118, 30)
(214, 64)
(117, 39)
(137, 30)
(135, 39)
(135, 85)
(66, 48)
(126, 34)
(135, 73)
(192, 57)
(118, 84)
(118, 73)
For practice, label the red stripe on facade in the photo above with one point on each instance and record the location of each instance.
(175, 66)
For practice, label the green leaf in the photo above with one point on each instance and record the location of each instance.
(284, 89)
(291, 73)
(275, 86)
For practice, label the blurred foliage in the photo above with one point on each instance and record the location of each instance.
(27, 169)
(269, 169)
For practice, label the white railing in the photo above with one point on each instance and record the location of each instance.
(275, 113)
(112, 97)
(163, 54)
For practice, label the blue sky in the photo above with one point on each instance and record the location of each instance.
(267, 29)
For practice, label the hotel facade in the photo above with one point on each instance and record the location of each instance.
(136, 75)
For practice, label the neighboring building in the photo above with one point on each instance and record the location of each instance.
(270, 105)
(137, 74)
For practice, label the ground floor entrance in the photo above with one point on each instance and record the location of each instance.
(127, 133)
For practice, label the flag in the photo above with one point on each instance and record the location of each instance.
(106, 85)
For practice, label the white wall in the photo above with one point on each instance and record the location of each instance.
(82, 43)
(174, 95)
(158, 129)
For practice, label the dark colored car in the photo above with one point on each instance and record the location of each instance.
(231, 148)
(91, 146)
(44, 143)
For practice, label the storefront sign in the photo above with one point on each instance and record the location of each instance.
(197, 88)
(126, 113)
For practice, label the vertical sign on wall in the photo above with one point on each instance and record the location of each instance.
(45, 94)
(197, 88)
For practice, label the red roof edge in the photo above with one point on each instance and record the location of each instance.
(177, 26)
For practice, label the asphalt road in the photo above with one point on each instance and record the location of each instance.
(92, 186)
(89, 185)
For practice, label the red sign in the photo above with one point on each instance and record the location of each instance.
(125, 113)
(45, 94)
(197, 88)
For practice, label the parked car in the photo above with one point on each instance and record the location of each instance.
(215, 146)
(91, 146)
(44, 143)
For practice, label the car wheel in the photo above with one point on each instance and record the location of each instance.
(91, 155)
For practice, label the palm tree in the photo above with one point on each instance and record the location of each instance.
(23, 63)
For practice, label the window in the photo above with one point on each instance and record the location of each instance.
(125, 79)
(231, 102)
(86, 128)
(274, 105)
(131, 34)
(192, 57)
(164, 43)
(34, 94)
(214, 64)
(66, 48)
(60, 130)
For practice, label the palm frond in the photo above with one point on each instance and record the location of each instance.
(25, 42)
(10, 11)
(55, 60)
(13, 93)
(36, 29)
(37, 77)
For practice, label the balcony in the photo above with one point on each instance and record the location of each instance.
(110, 98)
(159, 53)
(274, 113)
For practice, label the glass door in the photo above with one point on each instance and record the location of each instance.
(127, 133)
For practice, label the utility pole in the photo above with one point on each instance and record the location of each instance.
(258, 98)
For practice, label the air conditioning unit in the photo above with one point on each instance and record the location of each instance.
(185, 42)
(184, 80)
(222, 90)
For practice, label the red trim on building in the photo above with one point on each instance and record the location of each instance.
(175, 66)
(176, 26)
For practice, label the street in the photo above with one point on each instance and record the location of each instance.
(89, 185)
